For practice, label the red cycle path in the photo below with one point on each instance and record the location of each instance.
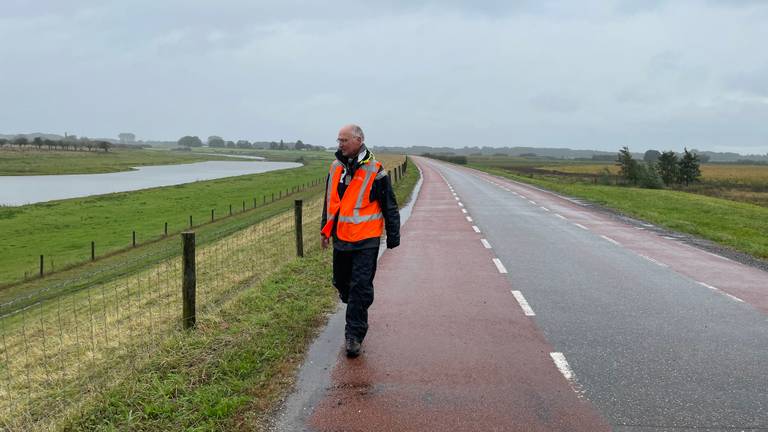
(449, 348)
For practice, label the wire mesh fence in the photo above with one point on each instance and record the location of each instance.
(63, 343)
(57, 351)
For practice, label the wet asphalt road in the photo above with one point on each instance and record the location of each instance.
(652, 345)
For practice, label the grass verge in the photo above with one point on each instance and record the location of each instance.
(229, 373)
(740, 226)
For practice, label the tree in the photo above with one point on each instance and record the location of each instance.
(243, 144)
(190, 141)
(21, 141)
(38, 142)
(230, 144)
(105, 145)
(299, 145)
(688, 166)
(282, 145)
(667, 167)
(3, 142)
(627, 166)
(273, 145)
(651, 155)
(216, 141)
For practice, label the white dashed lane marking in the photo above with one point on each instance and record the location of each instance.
(485, 243)
(581, 226)
(474, 227)
(610, 240)
(469, 219)
(523, 303)
(560, 216)
(499, 265)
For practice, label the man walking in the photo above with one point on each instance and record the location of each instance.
(359, 205)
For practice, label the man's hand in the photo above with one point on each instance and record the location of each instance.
(324, 241)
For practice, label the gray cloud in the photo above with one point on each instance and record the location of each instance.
(590, 74)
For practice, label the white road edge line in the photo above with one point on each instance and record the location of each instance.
(654, 261)
(733, 297)
(463, 210)
(457, 198)
(469, 219)
(581, 226)
(706, 285)
(485, 243)
(474, 227)
(532, 202)
(560, 216)
(544, 208)
(460, 204)
(563, 366)
(523, 303)
(499, 265)
(611, 240)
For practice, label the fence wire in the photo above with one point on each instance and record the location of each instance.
(63, 344)
(56, 352)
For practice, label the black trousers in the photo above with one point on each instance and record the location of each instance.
(353, 273)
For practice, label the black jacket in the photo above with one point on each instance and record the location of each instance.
(381, 191)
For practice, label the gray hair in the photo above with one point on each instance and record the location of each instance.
(357, 131)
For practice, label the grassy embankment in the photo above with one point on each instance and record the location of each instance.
(739, 225)
(34, 162)
(230, 372)
(63, 230)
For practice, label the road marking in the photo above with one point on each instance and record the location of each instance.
(563, 366)
(523, 303)
(654, 261)
(469, 219)
(581, 226)
(461, 205)
(485, 243)
(611, 240)
(457, 198)
(706, 285)
(523, 196)
(544, 208)
(669, 238)
(560, 216)
(532, 202)
(733, 297)
(474, 227)
(499, 265)
(638, 228)
(463, 210)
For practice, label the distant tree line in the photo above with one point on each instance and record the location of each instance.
(659, 169)
(215, 141)
(71, 142)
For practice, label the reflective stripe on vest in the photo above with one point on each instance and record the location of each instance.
(365, 219)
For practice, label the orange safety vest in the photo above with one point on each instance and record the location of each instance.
(359, 218)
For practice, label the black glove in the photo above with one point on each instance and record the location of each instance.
(393, 243)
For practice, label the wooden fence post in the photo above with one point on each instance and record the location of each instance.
(42, 265)
(134, 238)
(230, 209)
(189, 279)
(297, 208)
(93, 250)
(165, 229)
(212, 215)
(190, 221)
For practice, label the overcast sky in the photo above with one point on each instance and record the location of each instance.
(587, 74)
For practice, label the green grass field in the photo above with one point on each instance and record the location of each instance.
(739, 225)
(34, 162)
(229, 373)
(62, 231)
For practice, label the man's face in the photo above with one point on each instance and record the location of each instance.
(348, 143)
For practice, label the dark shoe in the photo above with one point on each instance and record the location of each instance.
(353, 347)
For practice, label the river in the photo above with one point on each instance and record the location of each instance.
(21, 190)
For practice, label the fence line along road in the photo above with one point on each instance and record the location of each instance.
(56, 352)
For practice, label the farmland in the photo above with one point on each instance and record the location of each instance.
(31, 162)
